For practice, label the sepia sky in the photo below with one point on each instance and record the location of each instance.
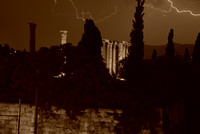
(113, 17)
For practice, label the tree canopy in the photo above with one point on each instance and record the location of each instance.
(196, 51)
(170, 51)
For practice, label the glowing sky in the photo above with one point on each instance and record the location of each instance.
(114, 19)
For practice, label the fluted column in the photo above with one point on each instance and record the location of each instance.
(126, 50)
(110, 57)
(113, 58)
(106, 51)
(124, 54)
(117, 59)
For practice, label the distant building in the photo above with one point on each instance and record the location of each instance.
(113, 52)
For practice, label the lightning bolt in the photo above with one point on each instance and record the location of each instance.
(83, 14)
(108, 16)
(53, 9)
(172, 7)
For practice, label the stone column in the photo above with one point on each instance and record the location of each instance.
(32, 27)
(113, 58)
(110, 57)
(120, 51)
(63, 37)
(126, 50)
(117, 59)
(106, 51)
(123, 50)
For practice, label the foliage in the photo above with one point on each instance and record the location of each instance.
(91, 39)
(86, 76)
(134, 117)
(196, 51)
(136, 50)
(170, 51)
(76, 78)
(186, 55)
(154, 54)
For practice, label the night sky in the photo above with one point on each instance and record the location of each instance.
(51, 16)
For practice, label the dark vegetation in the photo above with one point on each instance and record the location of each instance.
(75, 78)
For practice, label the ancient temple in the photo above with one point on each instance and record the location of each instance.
(113, 52)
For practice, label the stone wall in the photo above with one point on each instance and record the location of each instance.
(91, 121)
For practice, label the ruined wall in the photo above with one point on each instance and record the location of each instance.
(91, 122)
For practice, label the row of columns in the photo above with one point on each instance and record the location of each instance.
(113, 52)
(32, 46)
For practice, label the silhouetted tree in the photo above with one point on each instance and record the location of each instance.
(134, 116)
(9, 58)
(186, 55)
(37, 71)
(196, 50)
(136, 50)
(5, 52)
(91, 38)
(90, 49)
(170, 51)
(85, 70)
(154, 54)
